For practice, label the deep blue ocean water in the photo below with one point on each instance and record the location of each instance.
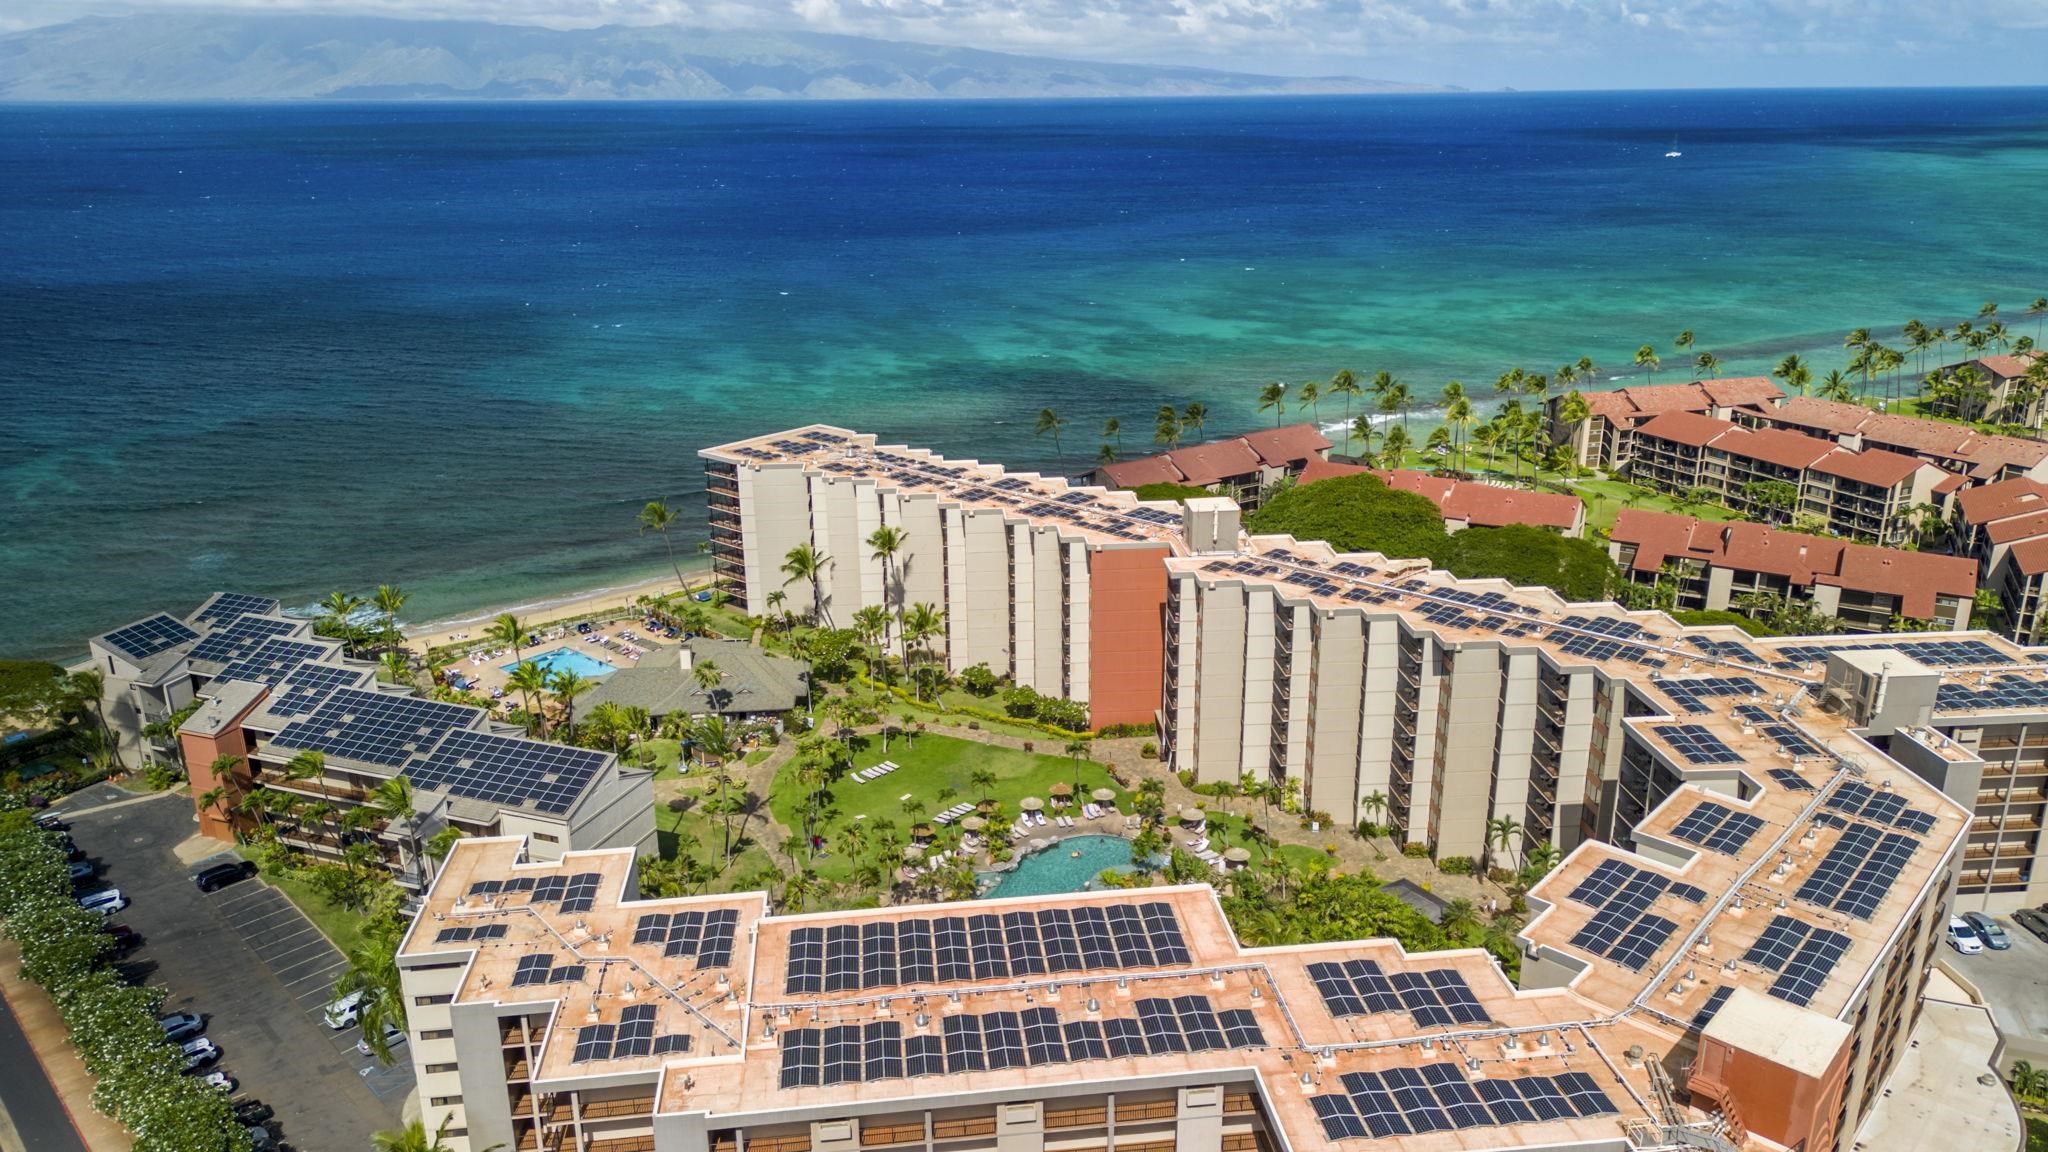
(289, 349)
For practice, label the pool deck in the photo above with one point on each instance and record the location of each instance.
(486, 672)
(1053, 855)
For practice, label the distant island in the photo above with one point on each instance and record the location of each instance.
(292, 57)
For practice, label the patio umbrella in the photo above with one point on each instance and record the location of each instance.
(974, 824)
(1193, 815)
(1060, 790)
(1031, 804)
(1236, 855)
(913, 852)
(921, 831)
(1104, 795)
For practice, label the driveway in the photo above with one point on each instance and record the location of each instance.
(257, 968)
(2014, 983)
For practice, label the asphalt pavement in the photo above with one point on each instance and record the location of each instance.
(256, 967)
(25, 1092)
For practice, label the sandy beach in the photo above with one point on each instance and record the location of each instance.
(535, 613)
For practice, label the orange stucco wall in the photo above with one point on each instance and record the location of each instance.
(1126, 634)
(1770, 1100)
(200, 753)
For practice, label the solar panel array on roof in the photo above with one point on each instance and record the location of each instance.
(705, 935)
(632, 1036)
(993, 1041)
(146, 638)
(376, 727)
(539, 968)
(1404, 1101)
(308, 686)
(229, 605)
(1726, 650)
(479, 932)
(1934, 653)
(2007, 690)
(239, 638)
(580, 893)
(1695, 744)
(1717, 827)
(994, 946)
(1802, 954)
(1623, 930)
(1858, 871)
(1789, 780)
(272, 661)
(1855, 798)
(508, 770)
(1691, 692)
(1435, 997)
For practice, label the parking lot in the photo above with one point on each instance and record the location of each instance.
(260, 971)
(2014, 983)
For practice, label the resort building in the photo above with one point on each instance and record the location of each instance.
(1469, 503)
(268, 689)
(1605, 439)
(1725, 566)
(752, 683)
(1240, 467)
(2004, 394)
(1972, 457)
(1869, 495)
(1744, 976)
(2003, 527)
(1057, 586)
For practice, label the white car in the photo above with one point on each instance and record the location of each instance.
(106, 901)
(1963, 938)
(343, 1012)
(198, 1053)
(220, 1080)
(393, 1037)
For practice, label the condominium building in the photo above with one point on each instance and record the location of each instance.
(1743, 978)
(1470, 503)
(1869, 495)
(1240, 467)
(1605, 439)
(1722, 566)
(1972, 457)
(2003, 527)
(1056, 586)
(267, 690)
(2006, 395)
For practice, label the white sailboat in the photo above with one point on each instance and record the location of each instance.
(1674, 153)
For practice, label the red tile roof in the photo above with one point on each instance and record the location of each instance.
(2013, 528)
(1961, 448)
(1632, 405)
(1775, 446)
(1134, 473)
(2007, 367)
(1279, 447)
(1876, 467)
(2031, 556)
(1489, 505)
(1949, 484)
(1915, 577)
(1209, 463)
(1988, 502)
(1685, 428)
(1321, 468)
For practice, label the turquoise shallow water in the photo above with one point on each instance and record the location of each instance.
(297, 348)
(1057, 870)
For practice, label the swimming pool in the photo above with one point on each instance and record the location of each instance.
(568, 659)
(1057, 869)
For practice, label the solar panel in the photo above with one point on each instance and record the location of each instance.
(509, 770)
(229, 605)
(988, 947)
(146, 638)
(1790, 781)
(1404, 1101)
(239, 638)
(1718, 827)
(1858, 871)
(308, 686)
(1695, 744)
(1434, 997)
(1622, 930)
(1810, 967)
(1705, 1015)
(272, 661)
(375, 727)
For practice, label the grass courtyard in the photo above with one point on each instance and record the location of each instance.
(927, 767)
(1606, 498)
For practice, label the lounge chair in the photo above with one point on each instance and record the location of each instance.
(942, 818)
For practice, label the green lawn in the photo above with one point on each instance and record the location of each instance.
(926, 766)
(682, 826)
(1606, 498)
(342, 925)
(1232, 830)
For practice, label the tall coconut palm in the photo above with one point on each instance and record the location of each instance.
(1707, 365)
(1987, 310)
(338, 612)
(1684, 340)
(507, 630)
(394, 802)
(1394, 447)
(1195, 416)
(567, 685)
(1345, 384)
(808, 564)
(2038, 309)
(884, 543)
(1363, 431)
(1113, 429)
(1460, 417)
(1167, 427)
(708, 676)
(529, 679)
(1836, 386)
(1274, 396)
(1311, 394)
(1587, 369)
(1646, 357)
(1501, 832)
(373, 972)
(922, 624)
(1794, 373)
(655, 516)
(1396, 398)
(1050, 422)
(389, 601)
(85, 692)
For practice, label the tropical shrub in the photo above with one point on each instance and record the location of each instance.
(1455, 865)
(1415, 851)
(1354, 514)
(979, 680)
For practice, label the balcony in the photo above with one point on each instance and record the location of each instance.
(617, 1109)
(2009, 824)
(621, 1144)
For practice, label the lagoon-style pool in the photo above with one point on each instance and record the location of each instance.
(1059, 869)
(568, 659)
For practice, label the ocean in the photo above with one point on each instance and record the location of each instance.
(288, 349)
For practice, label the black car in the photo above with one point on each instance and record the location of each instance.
(221, 875)
(2033, 920)
(253, 1112)
(124, 936)
(51, 822)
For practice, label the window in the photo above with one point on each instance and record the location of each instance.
(443, 1067)
(547, 837)
(457, 1132)
(444, 1101)
(435, 967)
(426, 1001)
(438, 1034)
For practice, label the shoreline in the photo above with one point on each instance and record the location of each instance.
(535, 613)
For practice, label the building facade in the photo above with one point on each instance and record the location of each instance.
(1605, 438)
(1240, 467)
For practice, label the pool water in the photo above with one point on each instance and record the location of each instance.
(1057, 870)
(570, 660)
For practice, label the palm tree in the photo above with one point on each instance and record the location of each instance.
(1077, 748)
(921, 625)
(1396, 399)
(872, 625)
(1311, 394)
(507, 630)
(1835, 386)
(776, 600)
(1050, 421)
(1167, 427)
(883, 544)
(1394, 447)
(413, 1138)
(2038, 309)
(1587, 369)
(1460, 418)
(393, 800)
(397, 665)
(1274, 396)
(1794, 373)
(713, 740)
(1987, 310)
(567, 685)
(982, 780)
(1374, 805)
(1345, 384)
(1195, 416)
(86, 689)
(799, 890)
(1707, 365)
(1500, 832)
(708, 676)
(656, 517)
(529, 679)
(1362, 429)
(259, 803)
(389, 601)
(808, 564)
(1684, 340)
(373, 972)
(338, 612)
(1113, 429)
(1539, 859)
(213, 797)
(1646, 357)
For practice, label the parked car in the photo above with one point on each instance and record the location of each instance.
(1988, 930)
(343, 1012)
(1962, 937)
(218, 876)
(198, 1053)
(261, 1140)
(51, 822)
(2033, 920)
(393, 1037)
(182, 1026)
(124, 936)
(106, 901)
(220, 1080)
(82, 871)
(253, 1112)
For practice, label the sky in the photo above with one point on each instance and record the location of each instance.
(1481, 44)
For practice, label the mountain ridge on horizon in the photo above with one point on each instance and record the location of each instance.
(190, 56)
